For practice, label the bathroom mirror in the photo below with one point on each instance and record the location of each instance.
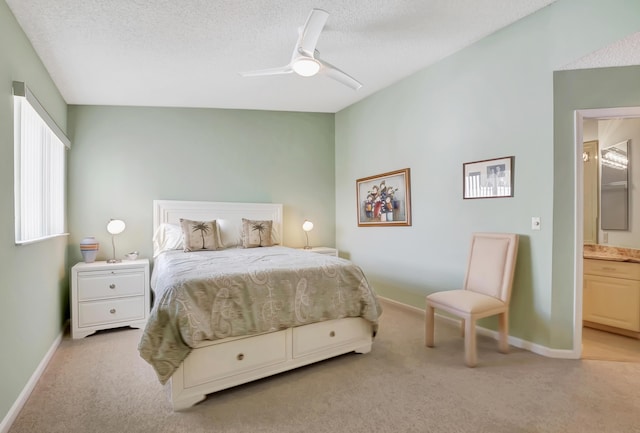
(614, 187)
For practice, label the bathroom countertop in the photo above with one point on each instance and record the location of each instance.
(616, 254)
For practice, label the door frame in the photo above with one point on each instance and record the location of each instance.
(579, 117)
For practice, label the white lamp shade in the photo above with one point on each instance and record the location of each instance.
(115, 227)
(307, 226)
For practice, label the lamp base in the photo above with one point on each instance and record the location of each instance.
(114, 261)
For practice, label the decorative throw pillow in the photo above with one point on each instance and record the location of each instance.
(256, 233)
(199, 235)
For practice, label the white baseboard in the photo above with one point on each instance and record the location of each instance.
(402, 305)
(11, 416)
(513, 341)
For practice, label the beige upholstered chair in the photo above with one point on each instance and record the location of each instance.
(486, 292)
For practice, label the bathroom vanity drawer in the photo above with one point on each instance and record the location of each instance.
(613, 269)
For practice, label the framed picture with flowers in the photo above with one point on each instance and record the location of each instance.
(384, 199)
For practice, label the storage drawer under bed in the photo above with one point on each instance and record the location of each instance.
(234, 357)
(319, 336)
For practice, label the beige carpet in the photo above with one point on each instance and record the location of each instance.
(99, 384)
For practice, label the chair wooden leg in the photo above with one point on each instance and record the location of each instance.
(503, 332)
(470, 354)
(429, 324)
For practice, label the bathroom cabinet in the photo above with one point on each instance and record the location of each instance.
(611, 296)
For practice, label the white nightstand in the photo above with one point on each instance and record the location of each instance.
(323, 250)
(109, 295)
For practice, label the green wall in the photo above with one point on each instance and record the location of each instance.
(125, 157)
(490, 100)
(33, 281)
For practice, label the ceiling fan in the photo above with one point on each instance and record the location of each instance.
(305, 60)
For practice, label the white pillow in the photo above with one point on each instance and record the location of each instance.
(167, 237)
(230, 232)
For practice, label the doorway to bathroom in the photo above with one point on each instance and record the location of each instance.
(597, 133)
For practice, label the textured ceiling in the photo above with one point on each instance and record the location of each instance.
(189, 53)
(625, 52)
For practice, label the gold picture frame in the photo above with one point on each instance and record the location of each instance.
(384, 199)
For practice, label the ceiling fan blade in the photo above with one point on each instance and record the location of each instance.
(338, 75)
(305, 56)
(270, 71)
(311, 31)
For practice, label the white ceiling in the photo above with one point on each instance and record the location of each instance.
(188, 53)
(625, 52)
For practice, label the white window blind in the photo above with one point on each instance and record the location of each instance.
(39, 170)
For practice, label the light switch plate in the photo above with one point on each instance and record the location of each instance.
(535, 223)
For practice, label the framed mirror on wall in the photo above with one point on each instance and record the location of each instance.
(591, 191)
(614, 186)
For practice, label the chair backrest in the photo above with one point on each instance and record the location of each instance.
(491, 265)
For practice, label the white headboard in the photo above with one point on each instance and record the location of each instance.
(228, 214)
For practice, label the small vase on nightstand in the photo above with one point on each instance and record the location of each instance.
(89, 249)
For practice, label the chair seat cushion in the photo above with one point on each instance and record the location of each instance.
(465, 301)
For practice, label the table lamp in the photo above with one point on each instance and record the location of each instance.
(307, 227)
(115, 227)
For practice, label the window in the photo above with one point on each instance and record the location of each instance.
(39, 170)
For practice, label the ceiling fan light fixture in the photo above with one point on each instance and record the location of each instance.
(304, 60)
(306, 66)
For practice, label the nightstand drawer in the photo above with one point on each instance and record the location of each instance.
(110, 311)
(110, 284)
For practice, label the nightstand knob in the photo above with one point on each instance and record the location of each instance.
(240, 356)
(112, 286)
(332, 334)
(112, 311)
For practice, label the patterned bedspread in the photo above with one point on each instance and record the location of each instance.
(211, 295)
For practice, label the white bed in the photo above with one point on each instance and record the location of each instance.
(215, 365)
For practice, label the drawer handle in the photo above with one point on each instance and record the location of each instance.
(240, 356)
(332, 334)
(112, 311)
(112, 286)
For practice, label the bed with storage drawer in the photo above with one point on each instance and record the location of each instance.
(233, 305)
